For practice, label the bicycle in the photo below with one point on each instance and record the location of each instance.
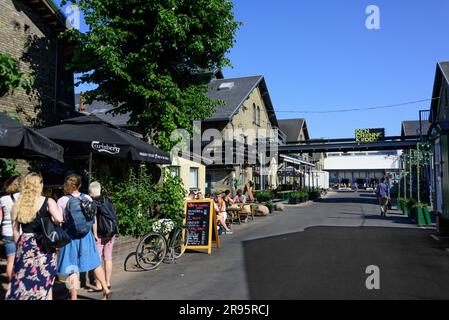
(153, 248)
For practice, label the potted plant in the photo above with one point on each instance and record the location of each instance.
(422, 214)
(294, 197)
(411, 208)
(305, 196)
(262, 196)
(400, 204)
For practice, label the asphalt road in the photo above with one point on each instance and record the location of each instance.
(317, 251)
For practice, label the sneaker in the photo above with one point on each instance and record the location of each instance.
(229, 232)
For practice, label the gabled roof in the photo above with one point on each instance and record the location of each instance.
(441, 73)
(292, 128)
(236, 94)
(412, 128)
(100, 109)
(234, 98)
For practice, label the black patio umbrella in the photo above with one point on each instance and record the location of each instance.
(90, 135)
(20, 142)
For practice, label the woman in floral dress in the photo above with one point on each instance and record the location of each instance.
(34, 267)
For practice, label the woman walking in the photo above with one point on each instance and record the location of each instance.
(11, 187)
(35, 267)
(81, 254)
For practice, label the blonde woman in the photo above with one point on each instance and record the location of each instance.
(220, 210)
(11, 187)
(34, 268)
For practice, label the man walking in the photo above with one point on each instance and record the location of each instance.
(383, 195)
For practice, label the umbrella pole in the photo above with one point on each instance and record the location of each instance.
(90, 167)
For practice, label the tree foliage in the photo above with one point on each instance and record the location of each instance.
(145, 57)
(11, 77)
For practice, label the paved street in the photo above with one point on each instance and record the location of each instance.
(274, 258)
(313, 251)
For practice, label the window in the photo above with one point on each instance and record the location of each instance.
(193, 179)
(254, 114)
(174, 171)
(447, 98)
(258, 116)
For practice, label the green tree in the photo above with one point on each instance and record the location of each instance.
(10, 79)
(145, 56)
(10, 76)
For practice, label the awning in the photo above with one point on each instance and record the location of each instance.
(296, 161)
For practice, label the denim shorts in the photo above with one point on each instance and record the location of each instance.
(10, 246)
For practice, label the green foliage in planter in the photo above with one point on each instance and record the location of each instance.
(314, 194)
(133, 199)
(262, 196)
(420, 205)
(140, 203)
(296, 195)
(401, 203)
(411, 207)
(169, 198)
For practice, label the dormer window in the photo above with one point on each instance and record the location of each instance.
(226, 86)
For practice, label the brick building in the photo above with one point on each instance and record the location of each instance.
(29, 32)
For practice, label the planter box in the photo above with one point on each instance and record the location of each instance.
(294, 201)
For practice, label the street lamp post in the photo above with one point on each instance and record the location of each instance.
(418, 172)
(411, 173)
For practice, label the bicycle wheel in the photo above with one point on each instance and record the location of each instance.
(151, 251)
(180, 242)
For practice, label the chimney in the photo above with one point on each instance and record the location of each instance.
(83, 107)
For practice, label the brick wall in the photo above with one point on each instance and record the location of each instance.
(28, 39)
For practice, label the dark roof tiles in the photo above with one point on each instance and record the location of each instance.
(412, 128)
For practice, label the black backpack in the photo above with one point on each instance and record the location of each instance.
(107, 224)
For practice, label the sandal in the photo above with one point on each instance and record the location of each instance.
(107, 296)
(95, 290)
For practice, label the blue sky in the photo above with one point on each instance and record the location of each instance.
(318, 55)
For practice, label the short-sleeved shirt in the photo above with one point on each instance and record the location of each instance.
(62, 203)
(6, 203)
(382, 190)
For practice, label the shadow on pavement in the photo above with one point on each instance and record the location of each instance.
(394, 219)
(348, 200)
(331, 263)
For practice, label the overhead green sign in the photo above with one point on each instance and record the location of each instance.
(369, 135)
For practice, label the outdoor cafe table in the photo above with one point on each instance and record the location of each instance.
(236, 213)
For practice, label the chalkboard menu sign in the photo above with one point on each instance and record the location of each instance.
(201, 221)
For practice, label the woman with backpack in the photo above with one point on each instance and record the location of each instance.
(11, 187)
(105, 229)
(34, 267)
(81, 254)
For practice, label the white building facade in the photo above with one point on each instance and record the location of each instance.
(363, 168)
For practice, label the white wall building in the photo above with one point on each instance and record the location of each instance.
(318, 179)
(360, 167)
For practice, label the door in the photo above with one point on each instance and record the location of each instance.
(438, 176)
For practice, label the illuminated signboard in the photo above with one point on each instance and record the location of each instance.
(369, 135)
